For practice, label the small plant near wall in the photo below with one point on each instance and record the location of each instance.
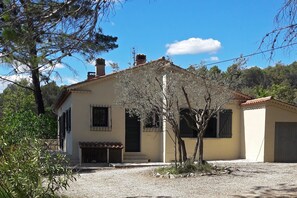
(190, 169)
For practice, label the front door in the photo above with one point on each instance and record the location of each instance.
(132, 137)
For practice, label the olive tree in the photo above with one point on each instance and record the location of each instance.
(152, 88)
(163, 88)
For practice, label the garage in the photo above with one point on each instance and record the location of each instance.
(285, 142)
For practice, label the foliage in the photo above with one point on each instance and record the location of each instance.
(15, 98)
(142, 92)
(26, 168)
(18, 103)
(165, 89)
(35, 36)
(50, 92)
(278, 81)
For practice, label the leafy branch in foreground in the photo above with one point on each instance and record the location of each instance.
(35, 36)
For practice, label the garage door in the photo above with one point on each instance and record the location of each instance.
(285, 142)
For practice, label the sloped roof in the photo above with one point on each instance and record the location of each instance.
(73, 87)
(267, 99)
(161, 61)
(256, 101)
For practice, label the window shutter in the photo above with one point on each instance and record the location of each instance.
(63, 125)
(69, 121)
(225, 123)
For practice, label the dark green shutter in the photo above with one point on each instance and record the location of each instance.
(225, 124)
(185, 129)
(69, 121)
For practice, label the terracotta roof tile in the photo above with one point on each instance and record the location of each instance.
(110, 145)
(256, 101)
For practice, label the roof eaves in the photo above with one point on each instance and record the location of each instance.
(256, 101)
(267, 99)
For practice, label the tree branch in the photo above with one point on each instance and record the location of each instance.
(16, 83)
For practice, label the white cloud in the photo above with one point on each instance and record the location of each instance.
(4, 83)
(193, 46)
(212, 58)
(59, 66)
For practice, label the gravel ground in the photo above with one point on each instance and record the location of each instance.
(249, 180)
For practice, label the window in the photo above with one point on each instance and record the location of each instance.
(68, 120)
(62, 130)
(152, 122)
(185, 124)
(100, 118)
(219, 126)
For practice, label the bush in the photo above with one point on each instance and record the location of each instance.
(26, 168)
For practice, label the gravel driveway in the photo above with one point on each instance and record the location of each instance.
(250, 180)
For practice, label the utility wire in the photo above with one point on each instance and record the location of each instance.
(253, 54)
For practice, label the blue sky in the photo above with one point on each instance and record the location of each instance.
(150, 26)
(188, 32)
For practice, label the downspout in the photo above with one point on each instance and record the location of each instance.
(164, 123)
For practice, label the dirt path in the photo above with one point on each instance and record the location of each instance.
(251, 180)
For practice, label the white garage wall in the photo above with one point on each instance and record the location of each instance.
(254, 132)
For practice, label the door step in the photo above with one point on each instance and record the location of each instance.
(135, 157)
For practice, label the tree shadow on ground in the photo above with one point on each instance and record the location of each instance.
(281, 190)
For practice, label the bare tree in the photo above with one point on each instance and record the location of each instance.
(285, 33)
(152, 88)
(35, 36)
(164, 88)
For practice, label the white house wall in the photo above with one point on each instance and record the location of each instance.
(103, 93)
(68, 136)
(214, 148)
(254, 132)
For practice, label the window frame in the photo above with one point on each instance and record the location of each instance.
(154, 127)
(108, 125)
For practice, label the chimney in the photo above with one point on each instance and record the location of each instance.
(100, 67)
(91, 75)
(140, 59)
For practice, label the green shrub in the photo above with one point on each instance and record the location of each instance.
(26, 168)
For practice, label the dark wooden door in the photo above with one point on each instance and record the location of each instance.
(285, 148)
(132, 137)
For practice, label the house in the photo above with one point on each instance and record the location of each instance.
(92, 128)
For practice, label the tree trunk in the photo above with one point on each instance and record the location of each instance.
(184, 150)
(33, 59)
(37, 92)
(196, 149)
(175, 152)
(180, 152)
(200, 155)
